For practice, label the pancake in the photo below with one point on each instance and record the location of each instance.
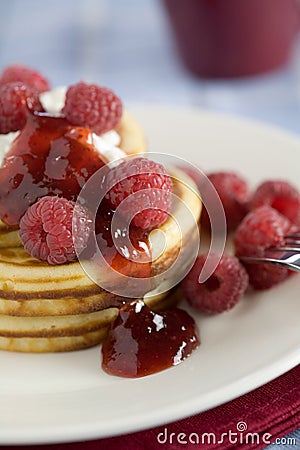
(132, 136)
(64, 335)
(46, 308)
(9, 237)
(54, 344)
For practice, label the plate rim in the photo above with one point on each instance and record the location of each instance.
(63, 434)
(259, 376)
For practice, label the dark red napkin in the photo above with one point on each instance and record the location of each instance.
(252, 421)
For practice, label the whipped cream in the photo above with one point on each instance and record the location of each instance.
(53, 101)
(5, 143)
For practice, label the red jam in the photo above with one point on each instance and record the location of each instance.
(49, 157)
(122, 259)
(120, 256)
(142, 342)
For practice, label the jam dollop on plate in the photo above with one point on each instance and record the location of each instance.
(142, 342)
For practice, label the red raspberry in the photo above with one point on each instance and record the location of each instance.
(234, 194)
(46, 229)
(30, 77)
(260, 230)
(221, 291)
(16, 100)
(91, 106)
(151, 185)
(281, 195)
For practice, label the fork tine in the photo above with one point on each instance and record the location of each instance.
(289, 257)
(288, 260)
(291, 261)
(292, 244)
(284, 249)
(293, 239)
(294, 236)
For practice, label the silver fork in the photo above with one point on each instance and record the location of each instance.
(289, 254)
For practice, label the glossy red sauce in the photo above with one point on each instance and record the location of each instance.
(128, 254)
(142, 342)
(123, 258)
(49, 157)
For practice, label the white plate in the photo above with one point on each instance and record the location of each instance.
(66, 397)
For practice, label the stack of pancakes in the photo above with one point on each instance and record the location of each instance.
(46, 308)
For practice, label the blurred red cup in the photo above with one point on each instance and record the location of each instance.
(231, 38)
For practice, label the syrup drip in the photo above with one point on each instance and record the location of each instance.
(121, 259)
(142, 342)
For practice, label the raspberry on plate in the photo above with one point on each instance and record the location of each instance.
(234, 194)
(221, 291)
(92, 106)
(47, 227)
(151, 186)
(32, 78)
(281, 195)
(262, 229)
(16, 100)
